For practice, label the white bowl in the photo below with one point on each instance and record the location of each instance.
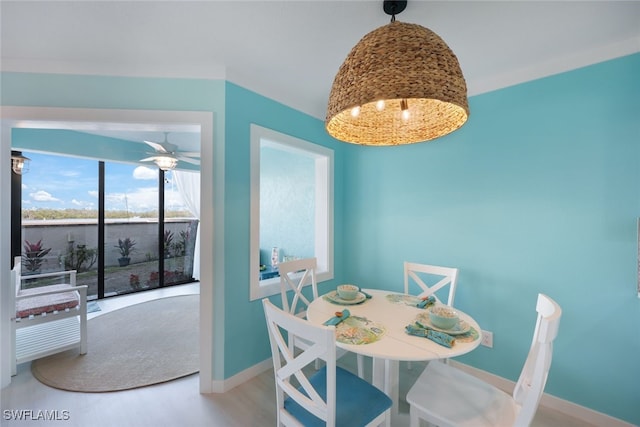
(443, 317)
(347, 291)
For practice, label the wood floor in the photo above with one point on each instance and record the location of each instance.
(176, 403)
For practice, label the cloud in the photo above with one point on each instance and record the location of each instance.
(82, 204)
(141, 200)
(43, 196)
(93, 193)
(145, 173)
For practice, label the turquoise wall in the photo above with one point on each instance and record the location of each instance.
(538, 192)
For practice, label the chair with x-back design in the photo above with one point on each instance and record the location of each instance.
(442, 276)
(294, 277)
(331, 396)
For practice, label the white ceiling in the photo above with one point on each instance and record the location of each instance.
(290, 50)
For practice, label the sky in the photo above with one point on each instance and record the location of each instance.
(58, 182)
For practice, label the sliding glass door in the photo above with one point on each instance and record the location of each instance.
(105, 220)
(130, 228)
(59, 226)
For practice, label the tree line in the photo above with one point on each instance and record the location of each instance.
(49, 214)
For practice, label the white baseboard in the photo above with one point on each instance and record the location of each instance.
(582, 413)
(241, 377)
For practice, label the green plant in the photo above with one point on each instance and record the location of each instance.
(75, 259)
(168, 238)
(181, 246)
(177, 249)
(125, 246)
(34, 255)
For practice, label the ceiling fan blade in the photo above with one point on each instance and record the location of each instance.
(148, 159)
(189, 153)
(156, 146)
(189, 160)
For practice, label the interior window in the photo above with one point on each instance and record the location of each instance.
(291, 207)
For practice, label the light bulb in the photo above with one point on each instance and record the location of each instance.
(355, 111)
(404, 106)
(380, 105)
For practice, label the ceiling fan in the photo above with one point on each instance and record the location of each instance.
(166, 154)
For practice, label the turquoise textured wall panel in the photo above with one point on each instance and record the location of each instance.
(287, 204)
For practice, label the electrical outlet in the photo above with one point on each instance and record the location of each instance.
(487, 339)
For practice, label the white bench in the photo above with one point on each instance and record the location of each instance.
(48, 319)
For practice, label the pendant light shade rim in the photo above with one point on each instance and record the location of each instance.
(398, 61)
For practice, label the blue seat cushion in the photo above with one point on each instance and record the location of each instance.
(357, 401)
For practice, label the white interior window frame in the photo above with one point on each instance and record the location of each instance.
(324, 162)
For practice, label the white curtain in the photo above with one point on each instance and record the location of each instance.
(188, 184)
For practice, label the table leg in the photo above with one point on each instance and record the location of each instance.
(385, 376)
(392, 379)
(377, 374)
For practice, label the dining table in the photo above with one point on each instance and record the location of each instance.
(376, 327)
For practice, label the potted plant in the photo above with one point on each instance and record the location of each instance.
(168, 238)
(125, 246)
(134, 281)
(34, 255)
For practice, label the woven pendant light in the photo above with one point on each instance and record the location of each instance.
(400, 84)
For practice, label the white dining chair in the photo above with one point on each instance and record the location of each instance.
(438, 277)
(294, 276)
(331, 396)
(427, 280)
(447, 396)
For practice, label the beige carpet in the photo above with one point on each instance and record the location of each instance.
(135, 346)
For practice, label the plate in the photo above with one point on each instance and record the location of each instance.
(334, 298)
(461, 327)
